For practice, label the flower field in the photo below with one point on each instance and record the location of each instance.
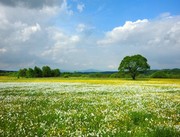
(121, 108)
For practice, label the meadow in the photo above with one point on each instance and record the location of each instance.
(89, 107)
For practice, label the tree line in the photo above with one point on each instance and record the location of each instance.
(46, 71)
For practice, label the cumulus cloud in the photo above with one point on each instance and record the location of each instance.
(124, 32)
(64, 49)
(24, 33)
(63, 44)
(157, 39)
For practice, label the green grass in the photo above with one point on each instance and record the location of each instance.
(68, 108)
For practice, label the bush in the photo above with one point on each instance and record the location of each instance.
(66, 76)
(159, 74)
(142, 76)
(115, 75)
(98, 75)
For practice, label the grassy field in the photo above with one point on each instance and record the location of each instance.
(89, 107)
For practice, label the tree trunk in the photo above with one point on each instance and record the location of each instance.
(133, 76)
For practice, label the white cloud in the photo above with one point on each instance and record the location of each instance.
(50, 11)
(24, 35)
(65, 8)
(71, 51)
(63, 44)
(80, 7)
(26, 32)
(157, 39)
(122, 33)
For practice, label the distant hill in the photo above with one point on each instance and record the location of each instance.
(90, 70)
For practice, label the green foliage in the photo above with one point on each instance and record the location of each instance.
(8, 73)
(95, 75)
(134, 65)
(98, 75)
(76, 74)
(166, 73)
(66, 74)
(139, 118)
(88, 74)
(37, 72)
(22, 72)
(159, 74)
(46, 71)
(115, 75)
(30, 73)
(162, 131)
(142, 76)
(55, 73)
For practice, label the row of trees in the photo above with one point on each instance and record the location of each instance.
(133, 65)
(46, 71)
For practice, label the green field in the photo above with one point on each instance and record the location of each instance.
(89, 107)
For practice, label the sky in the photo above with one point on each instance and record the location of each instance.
(76, 35)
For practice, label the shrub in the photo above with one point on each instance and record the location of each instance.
(159, 74)
(115, 75)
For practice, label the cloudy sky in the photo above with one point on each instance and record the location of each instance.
(85, 34)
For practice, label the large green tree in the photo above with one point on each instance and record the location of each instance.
(134, 65)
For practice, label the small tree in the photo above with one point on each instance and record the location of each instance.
(30, 73)
(46, 71)
(134, 65)
(55, 72)
(37, 72)
(22, 72)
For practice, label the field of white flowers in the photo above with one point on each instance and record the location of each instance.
(87, 109)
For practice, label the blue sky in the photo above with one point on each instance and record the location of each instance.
(107, 14)
(85, 34)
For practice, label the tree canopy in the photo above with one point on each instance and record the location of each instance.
(46, 71)
(134, 65)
